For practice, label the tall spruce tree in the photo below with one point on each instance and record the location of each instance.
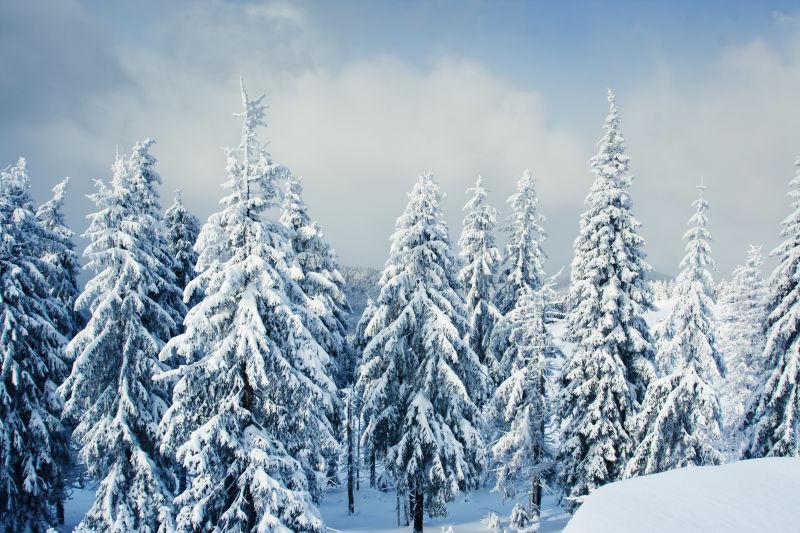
(33, 443)
(320, 280)
(519, 408)
(248, 415)
(606, 375)
(59, 251)
(181, 229)
(110, 392)
(419, 376)
(770, 419)
(679, 424)
(742, 319)
(481, 259)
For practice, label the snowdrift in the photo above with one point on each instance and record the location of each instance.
(748, 496)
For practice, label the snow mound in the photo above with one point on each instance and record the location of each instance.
(748, 496)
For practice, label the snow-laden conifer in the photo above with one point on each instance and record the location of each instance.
(523, 261)
(110, 393)
(248, 415)
(481, 259)
(59, 251)
(679, 424)
(742, 317)
(33, 443)
(320, 280)
(419, 376)
(770, 422)
(607, 373)
(519, 408)
(181, 229)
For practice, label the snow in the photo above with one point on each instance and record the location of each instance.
(76, 506)
(748, 496)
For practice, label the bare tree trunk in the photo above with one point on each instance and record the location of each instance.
(358, 453)
(350, 502)
(372, 469)
(418, 510)
(536, 497)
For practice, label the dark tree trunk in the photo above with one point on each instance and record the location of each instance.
(536, 497)
(418, 510)
(350, 502)
(60, 511)
(372, 469)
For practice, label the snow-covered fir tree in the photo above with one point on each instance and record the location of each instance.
(607, 373)
(33, 443)
(770, 419)
(480, 258)
(679, 423)
(419, 377)
(248, 415)
(143, 182)
(60, 253)
(181, 229)
(110, 393)
(320, 279)
(742, 317)
(523, 261)
(519, 408)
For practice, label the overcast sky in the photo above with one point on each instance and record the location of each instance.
(365, 95)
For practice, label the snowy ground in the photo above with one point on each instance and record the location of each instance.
(753, 496)
(375, 512)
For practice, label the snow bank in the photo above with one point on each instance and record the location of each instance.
(748, 496)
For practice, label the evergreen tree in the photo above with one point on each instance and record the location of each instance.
(770, 418)
(419, 376)
(33, 443)
(320, 280)
(59, 251)
(143, 182)
(607, 373)
(248, 414)
(110, 392)
(181, 228)
(742, 320)
(519, 407)
(480, 258)
(679, 424)
(523, 263)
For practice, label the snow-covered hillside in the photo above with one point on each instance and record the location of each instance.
(747, 496)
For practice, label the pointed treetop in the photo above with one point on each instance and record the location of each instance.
(611, 97)
(254, 110)
(178, 197)
(754, 257)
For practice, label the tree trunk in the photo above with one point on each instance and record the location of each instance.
(358, 454)
(372, 469)
(418, 510)
(60, 511)
(536, 497)
(350, 502)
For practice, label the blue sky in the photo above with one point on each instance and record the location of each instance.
(365, 95)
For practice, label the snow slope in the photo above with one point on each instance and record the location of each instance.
(743, 497)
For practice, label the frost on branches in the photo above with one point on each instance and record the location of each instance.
(33, 443)
(110, 393)
(481, 258)
(679, 424)
(320, 280)
(519, 408)
(60, 253)
(606, 375)
(248, 415)
(770, 419)
(181, 228)
(419, 377)
(741, 334)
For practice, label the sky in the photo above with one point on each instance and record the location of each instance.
(365, 95)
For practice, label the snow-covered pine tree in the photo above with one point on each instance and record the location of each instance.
(33, 443)
(143, 182)
(248, 414)
(60, 253)
(320, 280)
(679, 423)
(770, 418)
(742, 318)
(523, 262)
(480, 258)
(181, 229)
(519, 407)
(110, 392)
(419, 376)
(607, 373)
